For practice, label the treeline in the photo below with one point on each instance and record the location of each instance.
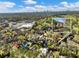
(41, 14)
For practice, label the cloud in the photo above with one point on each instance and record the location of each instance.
(40, 8)
(26, 9)
(34, 7)
(63, 6)
(70, 6)
(7, 4)
(29, 2)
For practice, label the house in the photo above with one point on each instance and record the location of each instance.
(15, 45)
(4, 23)
(43, 52)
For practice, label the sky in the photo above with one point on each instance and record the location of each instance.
(7, 6)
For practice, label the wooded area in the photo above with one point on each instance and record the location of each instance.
(46, 38)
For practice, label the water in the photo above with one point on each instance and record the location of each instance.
(62, 20)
